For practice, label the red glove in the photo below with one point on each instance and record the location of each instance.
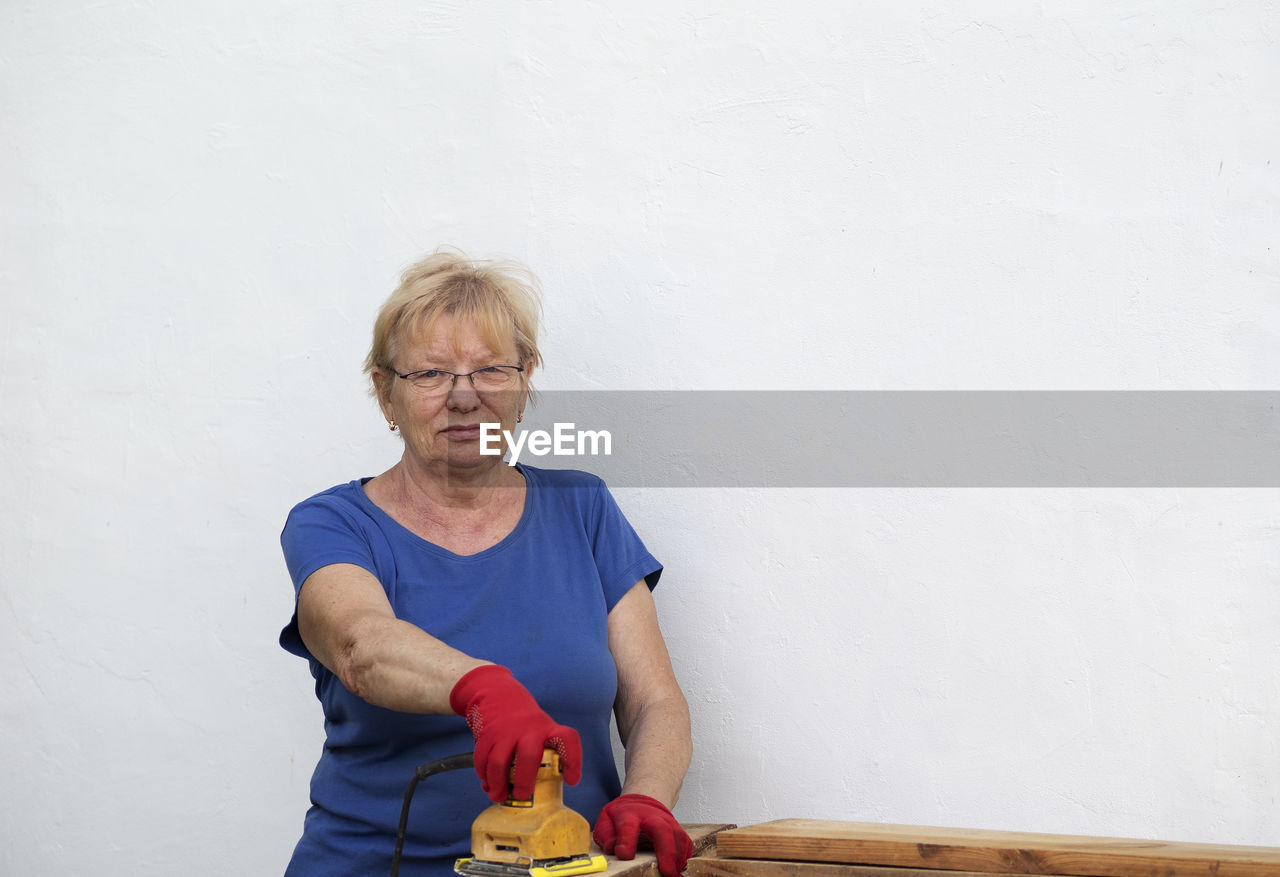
(510, 728)
(625, 820)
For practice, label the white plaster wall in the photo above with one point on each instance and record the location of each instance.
(204, 204)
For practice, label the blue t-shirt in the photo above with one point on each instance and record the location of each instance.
(536, 602)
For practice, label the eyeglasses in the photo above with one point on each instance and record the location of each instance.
(491, 377)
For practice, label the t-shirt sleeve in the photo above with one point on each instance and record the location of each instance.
(316, 534)
(619, 552)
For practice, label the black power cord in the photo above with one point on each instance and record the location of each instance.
(453, 762)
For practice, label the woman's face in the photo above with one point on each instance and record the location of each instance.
(441, 429)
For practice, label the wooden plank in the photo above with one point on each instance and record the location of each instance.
(645, 864)
(992, 852)
(715, 866)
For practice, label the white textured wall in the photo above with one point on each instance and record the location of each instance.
(203, 204)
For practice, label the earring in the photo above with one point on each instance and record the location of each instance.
(519, 416)
(391, 425)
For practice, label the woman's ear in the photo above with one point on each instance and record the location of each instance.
(526, 389)
(382, 381)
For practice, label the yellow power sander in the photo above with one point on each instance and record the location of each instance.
(540, 837)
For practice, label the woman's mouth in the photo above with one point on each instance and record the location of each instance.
(463, 432)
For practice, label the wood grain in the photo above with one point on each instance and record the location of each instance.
(991, 852)
(714, 866)
(645, 864)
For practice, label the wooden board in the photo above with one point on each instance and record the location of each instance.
(645, 864)
(991, 852)
(714, 866)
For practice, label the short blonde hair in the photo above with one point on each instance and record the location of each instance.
(501, 298)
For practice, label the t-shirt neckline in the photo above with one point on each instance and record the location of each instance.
(501, 545)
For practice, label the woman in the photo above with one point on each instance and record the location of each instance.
(453, 585)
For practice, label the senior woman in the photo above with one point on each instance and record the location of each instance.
(456, 601)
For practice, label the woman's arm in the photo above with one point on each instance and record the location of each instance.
(652, 713)
(347, 623)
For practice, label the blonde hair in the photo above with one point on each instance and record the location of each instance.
(501, 298)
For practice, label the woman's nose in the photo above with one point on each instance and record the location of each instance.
(462, 394)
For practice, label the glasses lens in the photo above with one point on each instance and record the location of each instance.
(429, 380)
(494, 377)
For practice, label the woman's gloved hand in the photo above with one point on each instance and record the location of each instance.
(626, 820)
(510, 728)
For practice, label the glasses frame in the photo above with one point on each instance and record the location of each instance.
(408, 376)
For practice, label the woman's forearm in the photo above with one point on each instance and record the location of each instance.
(345, 621)
(652, 713)
(393, 664)
(659, 747)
